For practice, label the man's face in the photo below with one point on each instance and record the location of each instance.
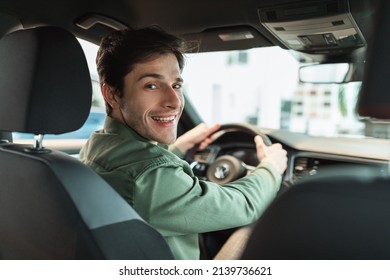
(152, 102)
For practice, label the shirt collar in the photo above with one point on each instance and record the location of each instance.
(113, 126)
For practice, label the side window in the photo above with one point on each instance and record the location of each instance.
(97, 98)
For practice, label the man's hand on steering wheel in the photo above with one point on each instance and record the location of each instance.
(273, 153)
(226, 168)
(200, 136)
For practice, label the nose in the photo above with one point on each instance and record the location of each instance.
(173, 98)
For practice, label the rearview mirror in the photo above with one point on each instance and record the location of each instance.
(330, 73)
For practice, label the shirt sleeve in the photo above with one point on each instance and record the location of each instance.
(178, 203)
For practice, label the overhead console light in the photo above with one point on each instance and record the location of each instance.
(318, 27)
(236, 36)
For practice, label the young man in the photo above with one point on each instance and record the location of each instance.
(140, 77)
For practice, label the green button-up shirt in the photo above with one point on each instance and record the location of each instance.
(162, 188)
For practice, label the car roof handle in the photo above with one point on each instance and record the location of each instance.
(88, 21)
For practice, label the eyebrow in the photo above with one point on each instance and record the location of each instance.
(157, 76)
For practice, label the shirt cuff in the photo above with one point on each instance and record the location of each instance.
(272, 169)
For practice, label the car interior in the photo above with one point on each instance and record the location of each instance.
(334, 202)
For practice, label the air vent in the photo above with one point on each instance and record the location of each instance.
(300, 168)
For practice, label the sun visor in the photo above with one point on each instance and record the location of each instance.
(227, 38)
(324, 27)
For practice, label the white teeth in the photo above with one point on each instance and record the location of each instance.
(167, 119)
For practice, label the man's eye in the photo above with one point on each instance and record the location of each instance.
(151, 86)
(177, 86)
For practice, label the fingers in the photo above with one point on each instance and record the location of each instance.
(260, 147)
(205, 131)
(274, 154)
(205, 143)
(199, 135)
(205, 137)
(213, 128)
(202, 130)
(259, 141)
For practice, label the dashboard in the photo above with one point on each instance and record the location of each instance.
(307, 155)
(305, 165)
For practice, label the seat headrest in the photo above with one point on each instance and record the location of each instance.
(45, 82)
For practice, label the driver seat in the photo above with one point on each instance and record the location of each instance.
(51, 205)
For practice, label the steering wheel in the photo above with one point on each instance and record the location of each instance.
(225, 168)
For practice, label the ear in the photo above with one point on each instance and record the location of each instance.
(109, 96)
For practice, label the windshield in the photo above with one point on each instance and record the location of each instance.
(261, 87)
(258, 86)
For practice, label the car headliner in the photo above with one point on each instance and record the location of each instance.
(200, 20)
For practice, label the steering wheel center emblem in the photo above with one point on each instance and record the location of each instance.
(222, 171)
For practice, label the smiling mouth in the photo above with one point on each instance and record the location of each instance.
(164, 119)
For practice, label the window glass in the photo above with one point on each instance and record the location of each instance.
(261, 87)
(258, 86)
